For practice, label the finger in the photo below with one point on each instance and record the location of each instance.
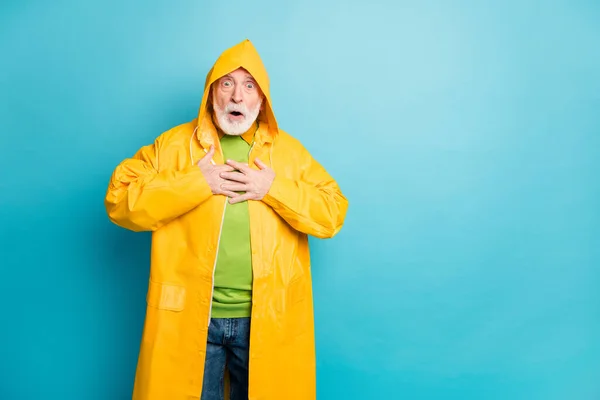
(260, 164)
(235, 187)
(234, 176)
(239, 166)
(224, 168)
(208, 157)
(240, 198)
(229, 193)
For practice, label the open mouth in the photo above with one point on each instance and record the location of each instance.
(236, 114)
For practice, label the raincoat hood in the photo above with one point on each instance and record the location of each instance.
(243, 55)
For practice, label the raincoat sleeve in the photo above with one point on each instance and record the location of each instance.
(140, 197)
(312, 204)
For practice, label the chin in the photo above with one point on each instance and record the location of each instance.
(235, 128)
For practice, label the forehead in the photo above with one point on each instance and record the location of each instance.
(239, 74)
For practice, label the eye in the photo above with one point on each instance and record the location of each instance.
(227, 84)
(250, 85)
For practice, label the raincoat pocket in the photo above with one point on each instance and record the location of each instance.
(166, 296)
(297, 321)
(297, 290)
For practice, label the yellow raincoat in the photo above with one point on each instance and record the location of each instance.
(161, 189)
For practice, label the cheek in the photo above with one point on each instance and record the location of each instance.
(221, 99)
(252, 101)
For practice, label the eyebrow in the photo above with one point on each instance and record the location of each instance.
(248, 77)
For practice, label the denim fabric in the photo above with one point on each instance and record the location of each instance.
(227, 347)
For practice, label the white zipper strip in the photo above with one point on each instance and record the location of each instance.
(212, 293)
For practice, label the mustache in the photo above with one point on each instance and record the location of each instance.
(231, 107)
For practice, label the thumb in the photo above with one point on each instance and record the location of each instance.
(208, 157)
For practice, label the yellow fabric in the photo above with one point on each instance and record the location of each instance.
(160, 189)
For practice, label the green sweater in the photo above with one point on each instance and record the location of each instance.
(232, 297)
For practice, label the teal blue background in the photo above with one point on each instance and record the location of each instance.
(465, 134)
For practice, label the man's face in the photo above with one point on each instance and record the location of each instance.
(237, 101)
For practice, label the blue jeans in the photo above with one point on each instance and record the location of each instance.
(227, 347)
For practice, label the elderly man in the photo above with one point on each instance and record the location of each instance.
(230, 199)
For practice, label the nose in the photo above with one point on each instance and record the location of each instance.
(237, 94)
